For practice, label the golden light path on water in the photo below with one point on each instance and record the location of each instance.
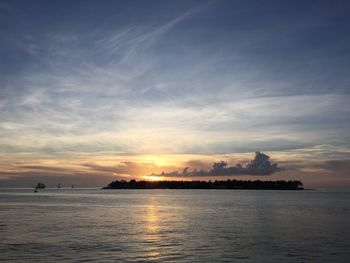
(152, 228)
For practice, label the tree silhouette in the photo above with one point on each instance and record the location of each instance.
(228, 184)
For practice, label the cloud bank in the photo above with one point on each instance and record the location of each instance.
(260, 165)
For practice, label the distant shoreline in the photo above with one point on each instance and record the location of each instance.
(217, 185)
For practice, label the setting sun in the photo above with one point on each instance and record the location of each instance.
(153, 178)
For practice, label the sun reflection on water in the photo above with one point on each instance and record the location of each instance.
(152, 219)
(152, 230)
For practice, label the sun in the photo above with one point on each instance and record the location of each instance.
(153, 177)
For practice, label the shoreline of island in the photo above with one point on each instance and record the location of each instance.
(217, 185)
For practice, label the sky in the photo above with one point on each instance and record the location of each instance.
(93, 91)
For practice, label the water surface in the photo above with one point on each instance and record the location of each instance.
(93, 225)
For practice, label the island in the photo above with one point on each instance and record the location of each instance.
(223, 184)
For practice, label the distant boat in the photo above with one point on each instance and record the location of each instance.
(39, 186)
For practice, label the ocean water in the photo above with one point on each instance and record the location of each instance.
(94, 225)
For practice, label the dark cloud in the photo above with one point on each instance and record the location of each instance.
(260, 165)
(306, 165)
(126, 167)
(198, 164)
(44, 168)
(336, 165)
(248, 145)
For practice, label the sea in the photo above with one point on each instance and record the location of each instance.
(95, 225)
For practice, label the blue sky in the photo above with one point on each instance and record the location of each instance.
(156, 84)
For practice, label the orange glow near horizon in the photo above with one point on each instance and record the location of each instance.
(153, 178)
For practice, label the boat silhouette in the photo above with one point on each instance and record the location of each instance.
(39, 186)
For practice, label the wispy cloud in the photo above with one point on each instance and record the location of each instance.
(188, 81)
